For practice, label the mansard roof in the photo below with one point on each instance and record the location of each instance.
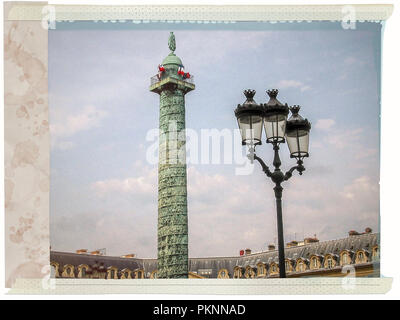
(333, 247)
(63, 258)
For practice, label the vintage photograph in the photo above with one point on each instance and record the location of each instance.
(224, 150)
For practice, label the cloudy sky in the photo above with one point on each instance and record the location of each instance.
(104, 191)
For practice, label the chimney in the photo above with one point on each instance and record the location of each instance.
(129, 255)
(81, 251)
(368, 230)
(293, 243)
(310, 240)
(271, 247)
(241, 252)
(247, 251)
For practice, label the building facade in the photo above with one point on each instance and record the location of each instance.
(358, 254)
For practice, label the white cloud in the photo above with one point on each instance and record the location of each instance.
(305, 88)
(345, 138)
(315, 206)
(141, 185)
(325, 124)
(283, 84)
(362, 188)
(119, 231)
(220, 207)
(90, 117)
(289, 84)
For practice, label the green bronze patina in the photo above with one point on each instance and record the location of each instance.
(171, 42)
(172, 191)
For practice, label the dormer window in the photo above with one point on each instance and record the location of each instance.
(249, 273)
(360, 257)
(261, 269)
(223, 274)
(314, 263)
(301, 266)
(126, 274)
(140, 274)
(345, 259)
(237, 274)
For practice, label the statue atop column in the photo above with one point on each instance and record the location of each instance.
(171, 42)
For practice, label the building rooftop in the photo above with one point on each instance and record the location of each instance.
(351, 243)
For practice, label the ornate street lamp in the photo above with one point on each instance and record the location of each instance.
(297, 134)
(275, 116)
(250, 119)
(278, 129)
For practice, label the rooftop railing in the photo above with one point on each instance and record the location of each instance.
(155, 79)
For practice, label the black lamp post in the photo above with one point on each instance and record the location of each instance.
(278, 129)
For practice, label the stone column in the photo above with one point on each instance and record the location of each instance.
(172, 192)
